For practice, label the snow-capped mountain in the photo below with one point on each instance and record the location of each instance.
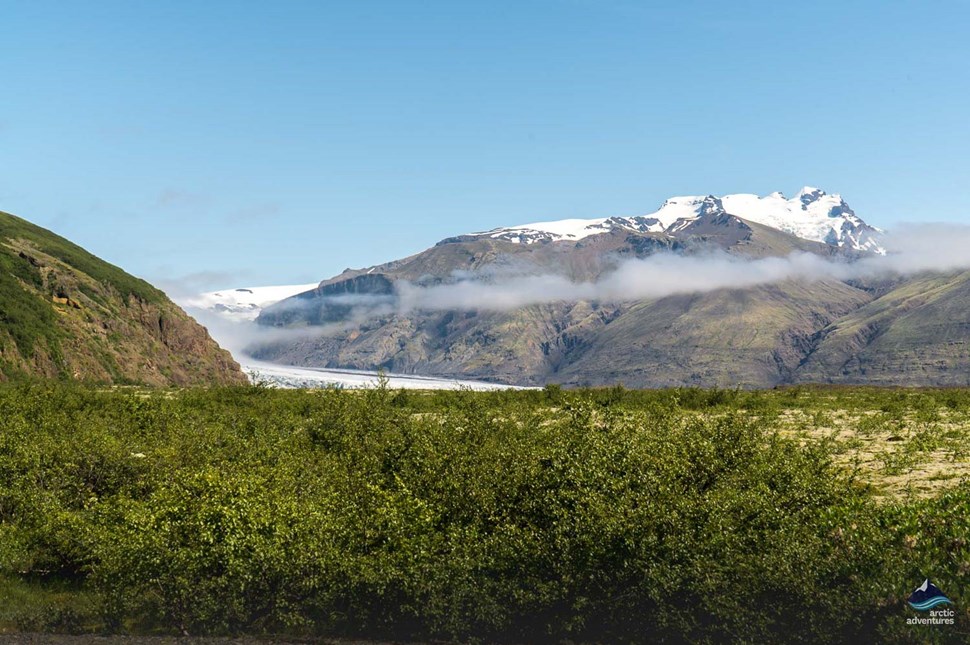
(243, 304)
(507, 307)
(812, 214)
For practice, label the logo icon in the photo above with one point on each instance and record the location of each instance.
(927, 596)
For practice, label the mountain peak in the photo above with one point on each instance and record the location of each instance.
(812, 214)
(809, 195)
(709, 205)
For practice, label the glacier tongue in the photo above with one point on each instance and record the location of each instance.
(812, 214)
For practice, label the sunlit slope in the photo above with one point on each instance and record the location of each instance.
(917, 334)
(750, 338)
(65, 313)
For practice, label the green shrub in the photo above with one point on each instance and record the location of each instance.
(598, 515)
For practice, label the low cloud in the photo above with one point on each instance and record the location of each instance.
(241, 337)
(916, 249)
(654, 277)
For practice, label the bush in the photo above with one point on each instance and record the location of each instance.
(607, 515)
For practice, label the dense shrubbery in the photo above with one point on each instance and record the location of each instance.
(602, 515)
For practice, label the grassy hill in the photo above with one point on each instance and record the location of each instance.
(65, 313)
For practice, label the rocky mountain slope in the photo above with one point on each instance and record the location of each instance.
(887, 330)
(65, 313)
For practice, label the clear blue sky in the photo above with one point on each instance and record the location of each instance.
(232, 143)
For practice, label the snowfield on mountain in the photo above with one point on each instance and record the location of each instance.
(812, 214)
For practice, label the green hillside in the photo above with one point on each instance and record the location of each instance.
(65, 313)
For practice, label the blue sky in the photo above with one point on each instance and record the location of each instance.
(244, 143)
